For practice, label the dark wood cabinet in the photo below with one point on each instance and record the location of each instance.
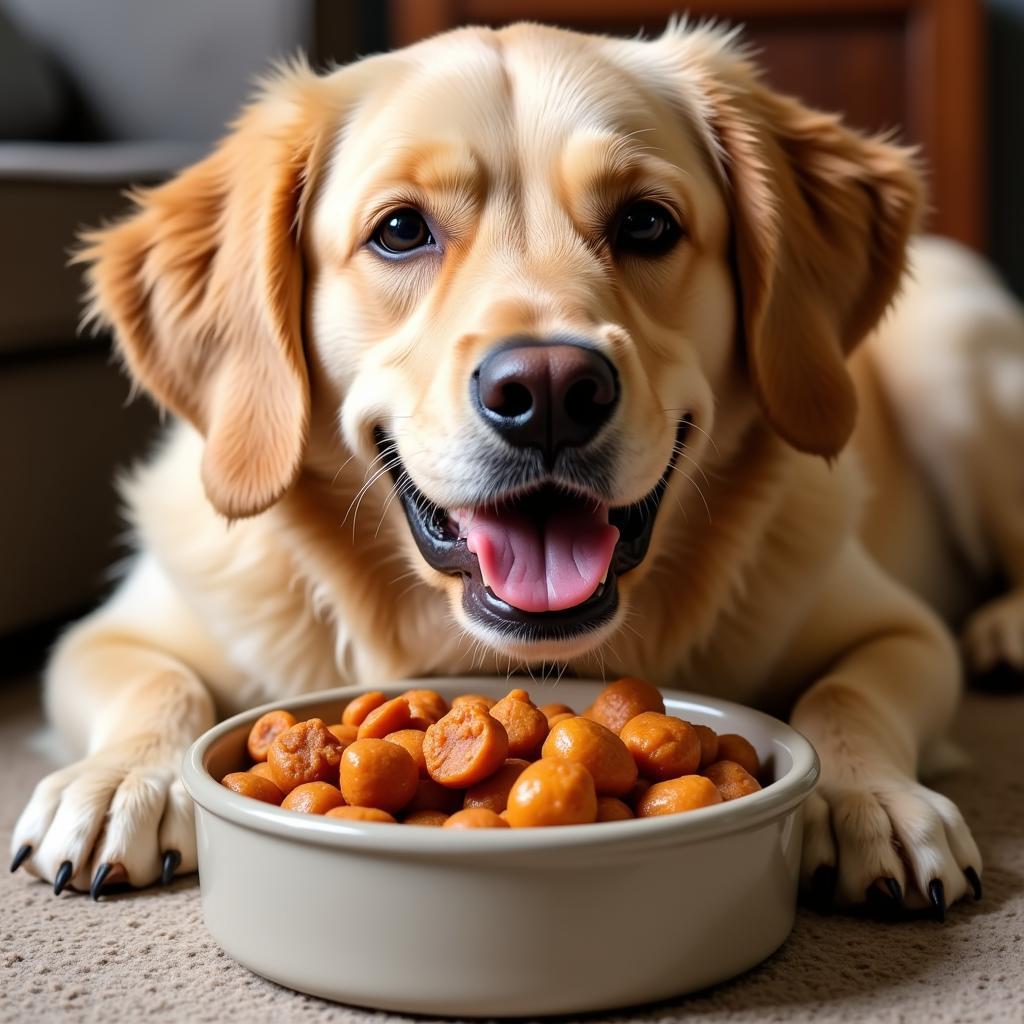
(913, 65)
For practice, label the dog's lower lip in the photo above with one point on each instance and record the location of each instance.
(439, 542)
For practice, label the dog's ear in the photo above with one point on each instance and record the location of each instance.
(202, 284)
(821, 219)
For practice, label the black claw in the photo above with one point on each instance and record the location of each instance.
(62, 878)
(823, 887)
(172, 859)
(969, 873)
(99, 878)
(937, 895)
(23, 855)
(894, 889)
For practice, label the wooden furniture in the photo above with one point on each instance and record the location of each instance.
(913, 65)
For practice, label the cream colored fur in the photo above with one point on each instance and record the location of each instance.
(273, 558)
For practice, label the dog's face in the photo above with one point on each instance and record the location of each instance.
(525, 277)
(521, 301)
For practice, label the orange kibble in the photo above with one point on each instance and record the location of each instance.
(708, 745)
(254, 786)
(412, 740)
(731, 779)
(426, 705)
(472, 698)
(345, 734)
(552, 792)
(432, 819)
(677, 795)
(375, 773)
(390, 716)
(361, 814)
(262, 769)
(476, 817)
(265, 730)
(306, 752)
(524, 722)
(493, 792)
(564, 716)
(735, 748)
(359, 707)
(611, 809)
(313, 798)
(622, 700)
(598, 749)
(550, 710)
(465, 747)
(663, 747)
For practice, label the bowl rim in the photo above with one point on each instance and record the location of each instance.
(753, 810)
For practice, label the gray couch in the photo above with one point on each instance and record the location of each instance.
(95, 95)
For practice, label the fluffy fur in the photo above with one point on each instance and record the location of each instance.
(274, 558)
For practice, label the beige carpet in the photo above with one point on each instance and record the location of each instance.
(146, 956)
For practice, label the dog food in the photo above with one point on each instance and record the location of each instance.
(267, 728)
(597, 749)
(553, 792)
(663, 747)
(313, 798)
(475, 817)
(678, 795)
(477, 763)
(305, 752)
(465, 747)
(375, 773)
(622, 700)
(731, 779)
(525, 724)
(255, 786)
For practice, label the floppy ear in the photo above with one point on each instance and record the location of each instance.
(202, 284)
(822, 216)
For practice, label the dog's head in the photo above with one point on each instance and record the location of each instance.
(524, 277)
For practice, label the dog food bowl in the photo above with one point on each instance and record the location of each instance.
(502, 922)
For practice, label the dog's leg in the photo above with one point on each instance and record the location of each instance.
(124, 688)
(887, 682)
(951, 359)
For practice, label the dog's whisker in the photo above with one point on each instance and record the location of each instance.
(367, 485)
(711, 440)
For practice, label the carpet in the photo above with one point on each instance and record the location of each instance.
(146, 956)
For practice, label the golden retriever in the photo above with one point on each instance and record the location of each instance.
(529, 348)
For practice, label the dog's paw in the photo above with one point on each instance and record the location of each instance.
(993, 642)
(121, 815)
(888, 839)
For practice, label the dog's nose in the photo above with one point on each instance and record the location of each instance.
(546, 395)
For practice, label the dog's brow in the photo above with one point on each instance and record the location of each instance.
(437, 167)
(611, 165)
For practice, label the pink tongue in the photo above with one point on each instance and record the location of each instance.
(543, 567)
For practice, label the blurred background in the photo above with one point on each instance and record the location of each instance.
(96, 95)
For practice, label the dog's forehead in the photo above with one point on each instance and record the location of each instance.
(508, 104)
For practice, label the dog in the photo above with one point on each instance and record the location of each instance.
(527, 348)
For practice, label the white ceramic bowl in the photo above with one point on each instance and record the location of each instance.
(497, 923)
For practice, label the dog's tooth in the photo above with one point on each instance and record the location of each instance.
(604, 578)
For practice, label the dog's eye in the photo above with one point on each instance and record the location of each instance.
(402, 231)
(646, 228)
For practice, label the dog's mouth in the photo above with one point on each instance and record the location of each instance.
(540, 563)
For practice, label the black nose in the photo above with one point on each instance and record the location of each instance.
(546, 395)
